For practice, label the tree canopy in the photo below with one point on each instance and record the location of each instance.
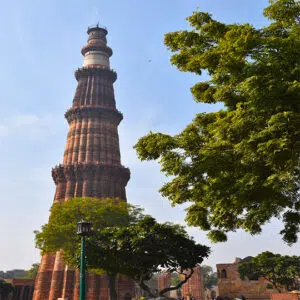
(282, 271)
(60, 231)
(237, 167)
(16, 273)
(145, 248)
(62, 226)
(124, 241)
(32, 272)
(20, 273)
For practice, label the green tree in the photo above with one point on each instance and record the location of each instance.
(210, 277)
(15, 273)
(281, 271)
(32, 272)
(60, 231)
(142, 249)
(237, 167)
(19, 273)
(175, 279)
(124, 241)
(5, 289)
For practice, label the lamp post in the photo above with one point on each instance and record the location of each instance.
(83, 229)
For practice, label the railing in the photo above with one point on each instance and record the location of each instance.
(97, 26)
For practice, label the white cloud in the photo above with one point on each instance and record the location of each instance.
(28, 124)
(3, 130)
(21, 120)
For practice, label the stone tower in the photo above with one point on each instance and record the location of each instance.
(91, 165)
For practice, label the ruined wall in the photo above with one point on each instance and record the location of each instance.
(164, 281)
(232, 286)
(285, 296)
(194, 287)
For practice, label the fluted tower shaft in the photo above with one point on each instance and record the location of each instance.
(91, 164)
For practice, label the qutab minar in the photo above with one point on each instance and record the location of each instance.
(91, 166)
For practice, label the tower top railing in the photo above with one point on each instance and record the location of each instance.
(100, 26)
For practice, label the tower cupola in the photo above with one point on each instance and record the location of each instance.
(96, 52)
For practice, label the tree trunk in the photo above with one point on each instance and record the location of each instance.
(112, 287)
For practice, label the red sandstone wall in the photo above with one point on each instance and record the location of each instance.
(195, 285)
(285, 296)
(164, 281)
(234, 287)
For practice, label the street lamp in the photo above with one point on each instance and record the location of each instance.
(83, 229)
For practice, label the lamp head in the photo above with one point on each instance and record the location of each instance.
(84, 228)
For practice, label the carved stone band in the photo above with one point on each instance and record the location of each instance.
(93, 111)
(82, 171)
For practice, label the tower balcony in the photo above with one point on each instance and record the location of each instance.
(89, 171)
(96, 46)
(97, 27)
(96, 70)
(82, 112)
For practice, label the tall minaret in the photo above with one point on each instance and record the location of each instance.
(91, 165)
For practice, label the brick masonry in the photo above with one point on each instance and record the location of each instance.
(164, 281)
(232, 286)
(285, 296)
(91, 167)
(194, 287)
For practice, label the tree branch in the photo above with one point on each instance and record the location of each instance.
(273, 283)
(146, 288)
(187, 277)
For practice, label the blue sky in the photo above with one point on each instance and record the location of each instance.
(40, 49)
